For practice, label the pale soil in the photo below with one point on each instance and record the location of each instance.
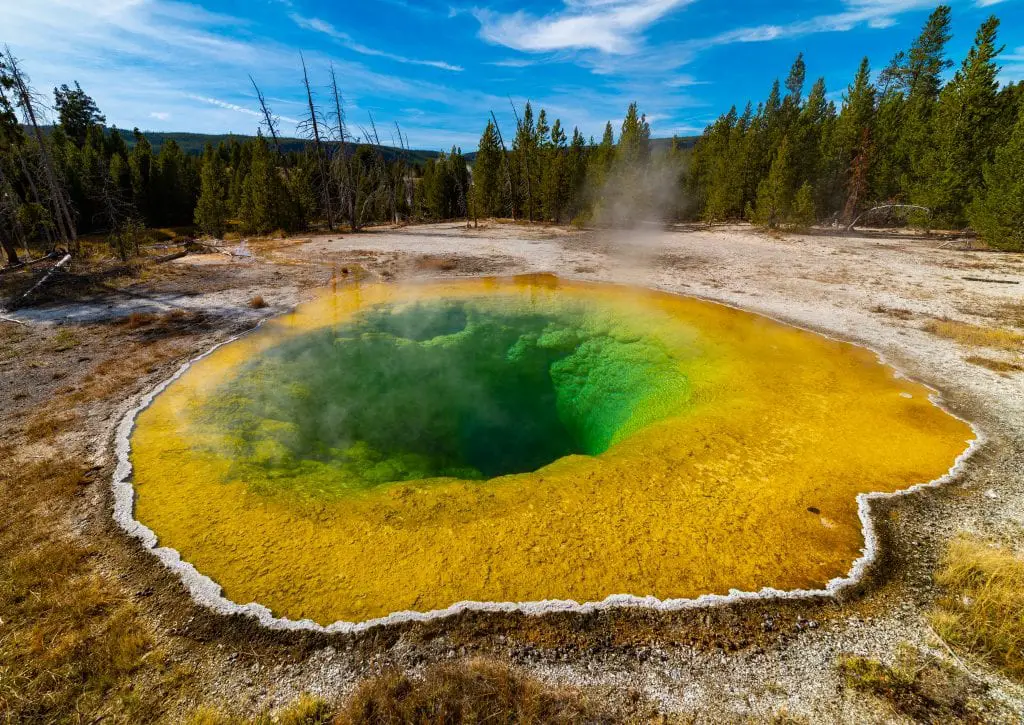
(751, 660)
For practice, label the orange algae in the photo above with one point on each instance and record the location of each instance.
(752, 486)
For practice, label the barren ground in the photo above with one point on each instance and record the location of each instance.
(70, 373)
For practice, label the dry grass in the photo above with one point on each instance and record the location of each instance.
(473, 692)
(982, 610)
(139, 319)
(257, 302)
(306, 710)
(921, 687)
(433, 263)
(65, 339)
(899, 313)
(999, 366)
(975, 336)
(70, 641)
(50, 423)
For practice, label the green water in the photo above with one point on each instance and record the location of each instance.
(450, 388)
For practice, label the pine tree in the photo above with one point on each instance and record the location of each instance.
(775, 193)
(964, 132)
(634, 141)
(77, 112)
(802, 215)
(918, 82)
(211, 214)
(852, 145)
(264, 196)
(488, 174)
(997, 212)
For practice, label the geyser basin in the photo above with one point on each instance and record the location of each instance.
(392, 448)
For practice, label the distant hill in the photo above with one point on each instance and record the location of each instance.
(193, 144)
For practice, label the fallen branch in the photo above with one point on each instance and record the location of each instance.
(170, 257)
(4, 318)
(993, 281)
(925, 209)
(26, 265)
(46, 277)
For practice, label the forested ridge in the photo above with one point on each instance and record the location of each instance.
(936, 150)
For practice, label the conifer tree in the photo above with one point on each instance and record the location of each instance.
(964, 132)
(997, 212)
(775, 192)
(77, 112)
(211, 213)
(488, 174)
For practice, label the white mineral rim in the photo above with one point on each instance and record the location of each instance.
(207, 592)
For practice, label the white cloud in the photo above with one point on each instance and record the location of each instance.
(235, 107)
(987, 3)
(874, 13)
(322, 26)
(610, 26)
(159, 115)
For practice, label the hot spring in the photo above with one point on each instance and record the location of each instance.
(394, 448)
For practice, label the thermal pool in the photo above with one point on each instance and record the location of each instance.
(390, 448)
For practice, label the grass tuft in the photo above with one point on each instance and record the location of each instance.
(999, 366)
(982, 610)
(471, 692)
(975, 336)
(920, 687)
(65, 339)
(257, 302)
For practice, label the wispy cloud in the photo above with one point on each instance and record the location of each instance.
(159, 115)
(322, 26)
(873, 13)
(610, 26)
(234, 107)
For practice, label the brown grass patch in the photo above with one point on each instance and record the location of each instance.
(975, 336)
(305, 710)
(71, 642)
(257, 302)
(899, 313)
(434, 263)
(999, 366)
(471, 692)
(139, 319)
(50, 423)
(982, 610)
(65, 339)
(921, 687)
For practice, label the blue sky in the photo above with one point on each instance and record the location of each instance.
(439, 66)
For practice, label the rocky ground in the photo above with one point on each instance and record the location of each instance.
(88, 346)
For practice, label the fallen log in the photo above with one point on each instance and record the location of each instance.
(886, 206)
(992, 281)
(170, 257)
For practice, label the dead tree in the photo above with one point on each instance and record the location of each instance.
(62, 214)
(526, 165)
(863, 214)
(269, 119)
(311, 126)
(505, 165)
(340, 171)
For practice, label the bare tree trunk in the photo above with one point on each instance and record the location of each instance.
(268, 118)
(526, 164)
(505, 165)
(315, 127)
(35, 195)
(343, 172)
(62, 215)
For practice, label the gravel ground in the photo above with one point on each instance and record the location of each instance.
(751, 660)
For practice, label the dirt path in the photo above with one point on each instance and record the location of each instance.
(752, 660)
